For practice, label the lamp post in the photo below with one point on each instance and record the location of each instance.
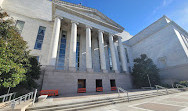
(149, 80)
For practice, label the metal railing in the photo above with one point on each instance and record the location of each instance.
(124, 91)
(180, 86)
(24, 98)
(160, 87)
(7, 97)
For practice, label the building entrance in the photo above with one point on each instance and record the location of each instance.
(99, 87)
(113, 84)
(81, 85)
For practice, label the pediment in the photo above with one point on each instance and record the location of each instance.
(88, 12)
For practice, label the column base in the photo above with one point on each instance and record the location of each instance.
(72, 69)
(90, 70)
(104, 70)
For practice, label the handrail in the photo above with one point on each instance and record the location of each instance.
(23, 98)
(124, 91)
(157, 87)
(6, 96)
(179, 85)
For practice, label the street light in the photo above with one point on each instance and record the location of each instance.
(149, 80)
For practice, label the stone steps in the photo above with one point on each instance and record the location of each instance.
(100, 102)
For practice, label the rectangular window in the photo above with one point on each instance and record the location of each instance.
(19, 25)
(120, 63)
(110, 57)
(127, 57)
(40, 37)
(113, 83)
(61, 52)
(81, 85)
(78, 52)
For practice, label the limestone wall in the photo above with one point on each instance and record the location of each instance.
(156, 26)
(166, 44)
(163, 43)
(1, 1)
(40, 9)
(29, 34)
(173, 74)
(67, 83)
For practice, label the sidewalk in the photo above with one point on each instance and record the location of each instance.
(84, 97)
(172, 102)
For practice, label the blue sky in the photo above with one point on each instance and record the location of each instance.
(135, 15)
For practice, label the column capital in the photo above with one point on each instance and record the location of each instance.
(101, 31)
(74, 22)
(57, 16)
(111, 34)
(87, 26)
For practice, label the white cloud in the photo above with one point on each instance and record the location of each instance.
(164, 4)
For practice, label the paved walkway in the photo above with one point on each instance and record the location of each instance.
(84, 97)
(172, 102)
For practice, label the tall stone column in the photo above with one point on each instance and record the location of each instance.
(102, 53)
(73, 42)
(88, 49)
(55, 35)
(122, 56)
(113, 54)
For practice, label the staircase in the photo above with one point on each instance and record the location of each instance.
(102, 102)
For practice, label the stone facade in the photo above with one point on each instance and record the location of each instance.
(94, 33)
(166, 44)
(100, 54)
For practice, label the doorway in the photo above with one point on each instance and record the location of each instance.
(99, 87)
(81, 85)
(113, 85)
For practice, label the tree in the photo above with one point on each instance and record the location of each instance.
(145, 69)
(32, 74)
(16, 65)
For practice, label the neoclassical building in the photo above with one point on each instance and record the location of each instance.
(78, 47)
(81, 50)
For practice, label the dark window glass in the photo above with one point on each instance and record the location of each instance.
(110, 57)
(127, 57)
(61, 52)
(119, 58)
(78, 52)
(20, 25)
(40, 37)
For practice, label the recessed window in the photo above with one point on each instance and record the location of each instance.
(110, 58)
(120, 62)
(78, 52)
(127, 57)
(40, 37)
(61, 52)
(19, 25)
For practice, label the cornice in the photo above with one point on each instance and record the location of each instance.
(61, 3)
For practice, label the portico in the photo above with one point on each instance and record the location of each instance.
(74, 29)
(84, 55)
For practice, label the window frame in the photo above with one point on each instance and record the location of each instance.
(16, 25)
(39, 41)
